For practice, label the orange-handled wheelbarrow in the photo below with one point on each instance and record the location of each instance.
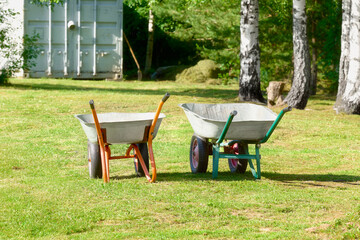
(136, 129)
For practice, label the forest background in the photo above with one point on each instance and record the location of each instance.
(187, 31)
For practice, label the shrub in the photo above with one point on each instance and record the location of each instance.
(14, 56)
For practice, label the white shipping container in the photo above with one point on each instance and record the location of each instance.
(81, 39)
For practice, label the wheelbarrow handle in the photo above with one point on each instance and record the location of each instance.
(226, 127)
(92, 105)
(275, 123)
(166, 96)
(152, 127)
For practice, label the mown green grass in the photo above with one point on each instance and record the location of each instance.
(310, 170)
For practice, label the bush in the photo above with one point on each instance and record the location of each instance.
(4, 77)
(16, 56)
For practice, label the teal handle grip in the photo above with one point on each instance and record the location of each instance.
(275, 123)
(287, 109)
(167, 95)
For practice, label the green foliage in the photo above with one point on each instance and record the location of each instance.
(4, 77)
(187, 31)
(168, 50)
(326, 17)
(192, 30)
(7, 46)
(275, 36)
(212, 25)
(46, 2)
(30, 51)
(324, 30)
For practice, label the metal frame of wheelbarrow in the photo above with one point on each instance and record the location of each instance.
(105, 152)
(219, 143)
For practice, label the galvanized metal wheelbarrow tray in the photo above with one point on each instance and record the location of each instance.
(136, 129)
(242, 123)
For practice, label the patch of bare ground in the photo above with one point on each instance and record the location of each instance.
(318, 228)
(265, 230)
(249, 214)
(319, 231)
(110, 222)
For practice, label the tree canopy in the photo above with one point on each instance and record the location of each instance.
(192, 30)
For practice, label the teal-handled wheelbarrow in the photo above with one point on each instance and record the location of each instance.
(242, 124)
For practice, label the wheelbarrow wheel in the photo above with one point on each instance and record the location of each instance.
(94, 160)
(143, 147)
(238, 165)
(199, 155)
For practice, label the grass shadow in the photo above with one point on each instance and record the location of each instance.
(189, 177)
(314, 180)
(205, 93)
(247, 176)
(311, 177)
(200, 177)
(123, 177)
(302, 180)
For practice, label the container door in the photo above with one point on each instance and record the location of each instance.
(79, 39)
(36, 23)
(100, 44)
(109, 22)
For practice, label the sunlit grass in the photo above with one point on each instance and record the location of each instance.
(310, 171)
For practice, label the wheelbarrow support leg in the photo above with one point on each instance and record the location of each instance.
(256, 173)
(258, 158)
(216, 146)
(216, 155)
(142, 163)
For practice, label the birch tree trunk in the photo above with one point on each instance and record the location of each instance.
(344, 57)
(348, 98)
(300, 89)
(249, 80)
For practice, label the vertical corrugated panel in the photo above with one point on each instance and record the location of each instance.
(81, 39)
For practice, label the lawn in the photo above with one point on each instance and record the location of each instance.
(310, 170)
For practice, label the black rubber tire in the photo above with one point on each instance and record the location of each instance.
(238, 165)
(143, 147)
(199, 154)
(94, 160)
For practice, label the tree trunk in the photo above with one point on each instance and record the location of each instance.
(350, 100)
(150, 44)
(300, 89)
(344, 58)
(249, 82)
